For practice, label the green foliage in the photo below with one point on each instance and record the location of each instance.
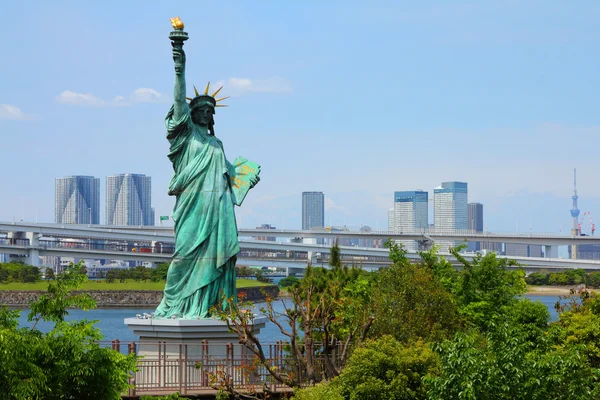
(49, 273)
(570, 277)
(261, 277)
(325, 390)
(65, 363)
(19, 272)
(517, 356)
(580, 325)
(159, 273)
(243, 271)
(289, 281)
(397, 252)
(335, 259)
(410, 303)
(593, 279)
(386, 369)
(53, 305)
(485, 285)
(537, 278)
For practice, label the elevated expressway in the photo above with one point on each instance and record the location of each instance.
(154, 244)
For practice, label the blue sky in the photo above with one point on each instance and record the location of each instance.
(355, 99)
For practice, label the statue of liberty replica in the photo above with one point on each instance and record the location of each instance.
(206, 187)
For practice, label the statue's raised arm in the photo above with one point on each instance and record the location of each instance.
(178, 36)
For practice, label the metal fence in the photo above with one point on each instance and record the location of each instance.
(200, 367)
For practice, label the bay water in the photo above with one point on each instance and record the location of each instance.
(110, 320)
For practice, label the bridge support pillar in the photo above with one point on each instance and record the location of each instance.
(551, 251)
(34, 252)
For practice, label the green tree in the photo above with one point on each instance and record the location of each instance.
(335, 257)
(160, 272)
(593, 279)
(111, 275)
(485, 285)
(261, 277)
(537, 278)
(289, 281)
(49, 273)
(243, 271)
(65, 363)
(410, 303)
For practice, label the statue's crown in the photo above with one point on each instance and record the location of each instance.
(206, 99)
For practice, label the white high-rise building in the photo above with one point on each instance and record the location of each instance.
(77, 200)
(129, 200)
(450, 210)
(409, 215)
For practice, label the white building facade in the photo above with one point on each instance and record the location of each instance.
(77, 200)
(409, 215)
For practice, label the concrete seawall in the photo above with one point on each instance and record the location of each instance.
(120, 298)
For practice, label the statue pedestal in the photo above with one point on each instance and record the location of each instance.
(184, 353)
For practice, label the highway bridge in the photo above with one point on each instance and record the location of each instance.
(155, 244)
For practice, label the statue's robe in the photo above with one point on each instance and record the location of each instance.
(206, 241)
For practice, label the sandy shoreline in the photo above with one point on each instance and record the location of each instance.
(553, 290)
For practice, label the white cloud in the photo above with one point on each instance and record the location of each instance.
(146, 95)
(8, 111)
(140, 95)
(239, 86)
(330, 205)
(80, 99)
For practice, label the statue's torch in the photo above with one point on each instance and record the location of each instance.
(177, 35)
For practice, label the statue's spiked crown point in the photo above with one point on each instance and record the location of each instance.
(206, 99)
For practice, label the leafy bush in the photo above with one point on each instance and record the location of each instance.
(387, 369)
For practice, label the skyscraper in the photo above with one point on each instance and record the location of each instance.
(475, 223)
(450, 210)
(411, 214)
(77, 200)
(129, 200)
(313, 211)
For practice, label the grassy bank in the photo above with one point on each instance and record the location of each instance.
(127, 285)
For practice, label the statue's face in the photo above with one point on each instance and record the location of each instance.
(203, 116)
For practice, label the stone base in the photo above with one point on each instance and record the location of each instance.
(184, 353)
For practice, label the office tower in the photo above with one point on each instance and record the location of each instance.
(77, 200)
(128, 200)
(391, 219)
(474, 223)
(450, 210)
(313, 212)
(410, 215)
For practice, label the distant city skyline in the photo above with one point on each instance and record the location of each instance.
(457, 94)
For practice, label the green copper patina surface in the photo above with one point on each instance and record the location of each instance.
(206, 241)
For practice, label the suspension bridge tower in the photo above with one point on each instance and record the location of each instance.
(575, 215)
